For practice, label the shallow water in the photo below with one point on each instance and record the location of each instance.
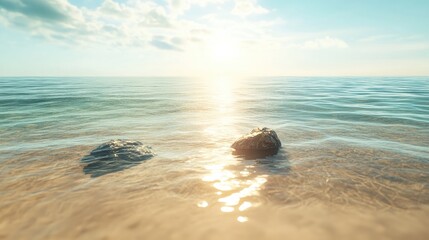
(354, 162)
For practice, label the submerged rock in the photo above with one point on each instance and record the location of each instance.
(115, 155)
(260, 142)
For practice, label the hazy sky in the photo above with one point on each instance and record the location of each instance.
(213, 37)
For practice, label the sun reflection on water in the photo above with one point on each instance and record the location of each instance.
(203, 204)
(221, 120)
(234, 188)
(242, 219)
(222, 94)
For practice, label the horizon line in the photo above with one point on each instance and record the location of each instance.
(178, 76)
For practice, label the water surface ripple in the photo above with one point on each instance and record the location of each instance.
(355, 146)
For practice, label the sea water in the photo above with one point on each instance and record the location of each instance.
(354, 162)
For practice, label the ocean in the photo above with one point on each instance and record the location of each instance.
(354, 162)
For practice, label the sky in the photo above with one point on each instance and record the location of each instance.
(214, 38)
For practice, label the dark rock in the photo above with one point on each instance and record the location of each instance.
(260, 142)
(115, 155)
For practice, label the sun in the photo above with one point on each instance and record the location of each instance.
(223, 47)
(222, 57)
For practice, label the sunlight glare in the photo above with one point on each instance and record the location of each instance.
(227, 209)
(202, 204)
(223, 47)
(242, 219)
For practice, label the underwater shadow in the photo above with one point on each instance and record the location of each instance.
(115, 156)
(254, 154)
(270, 162)
(100, 168)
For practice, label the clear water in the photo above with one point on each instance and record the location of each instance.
(354, 162)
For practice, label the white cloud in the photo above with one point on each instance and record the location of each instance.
(54, 10)
(248, 7)
(166, 43)
(133, 23)
(181, 6)
(51, 19)
(110, 7)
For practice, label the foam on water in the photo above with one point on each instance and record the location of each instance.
(351, 147)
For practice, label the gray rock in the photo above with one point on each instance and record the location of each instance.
(259, 142)
(115, 155)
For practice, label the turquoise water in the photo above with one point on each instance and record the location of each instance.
(355, 142)
(59, 112)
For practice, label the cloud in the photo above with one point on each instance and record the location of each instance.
(114, 9)
(111, 23)
(181, 6)
(132, 23)
(323, 43)
(156, 18)
(45, 10)
(162, 42)
(248, 7)
(49, 19)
